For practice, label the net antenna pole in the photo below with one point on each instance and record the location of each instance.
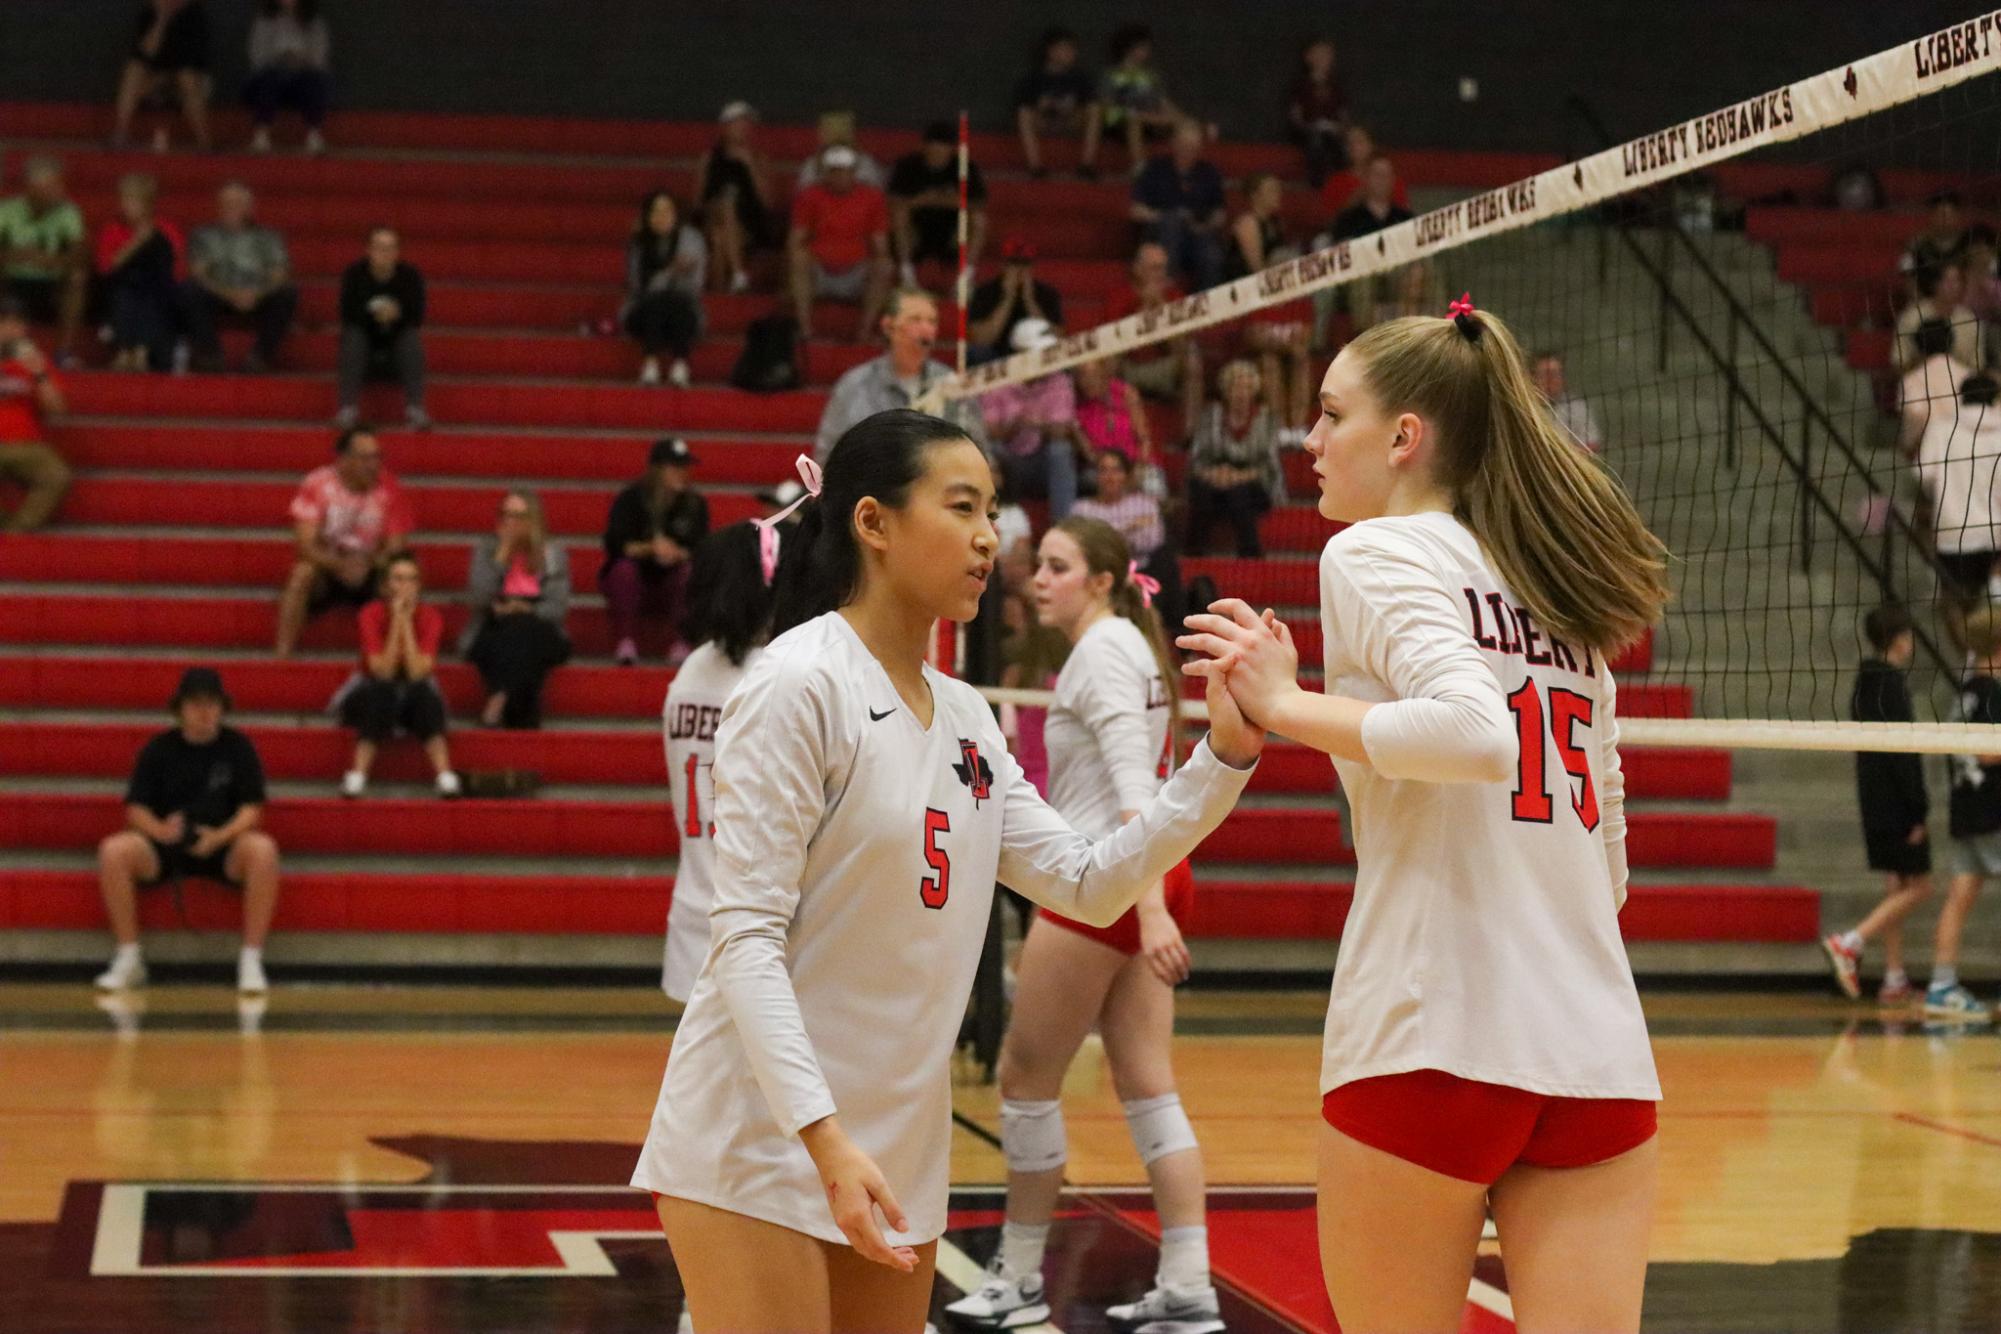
(962, 289)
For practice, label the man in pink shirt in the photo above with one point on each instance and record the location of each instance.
(1033, 428)
(351, 520)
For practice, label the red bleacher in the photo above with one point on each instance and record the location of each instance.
(172, 542)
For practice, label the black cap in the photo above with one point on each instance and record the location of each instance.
(198, 683)
(672, 449)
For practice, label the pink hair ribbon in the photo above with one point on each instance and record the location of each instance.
(767, 529)
(1148, 586)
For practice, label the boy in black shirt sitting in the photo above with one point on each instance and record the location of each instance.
(192, 807)
(1890, 788)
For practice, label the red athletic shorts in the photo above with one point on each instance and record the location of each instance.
(1123, 935)
(1473, 1131)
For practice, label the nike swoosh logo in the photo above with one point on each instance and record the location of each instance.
(875, 717)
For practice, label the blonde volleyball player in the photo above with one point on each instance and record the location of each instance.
(865, 806)
(1484, 1038)
(729, 596)
(1107, 735)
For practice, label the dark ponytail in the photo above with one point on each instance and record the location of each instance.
(820, 566)
(729, 604)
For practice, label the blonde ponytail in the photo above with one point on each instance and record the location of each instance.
(1558, 526)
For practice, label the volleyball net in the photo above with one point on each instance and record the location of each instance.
(1731, 311)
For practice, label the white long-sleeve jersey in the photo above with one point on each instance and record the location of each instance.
(1107, 728)
(856, 856)
(688, 722)
(1490, 829)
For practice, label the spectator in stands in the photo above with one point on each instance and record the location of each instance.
(193, 808)
(140, 261)
(924, 205)
(1341, 188)
(1005, 300)
(666, 266)
(1177, 201)
(349, 520)
(1033, 427)
(288, 69)
(1316, 111)
(1110, 416)
(1931, 385)
(839, 245)
(1374, 207)
(1941, 296)
(1943, 240)
(1169, 370)
(519, 593)
(897, 378)
(381, 312)
(396, 689)
(1233, 468)
(28, 392)
(1959, 463)
(1132, 101)
(732, 183)
(1121, 503)
(837, 130)
(1280, 337)
(1572, 411)
(1413, 289)
(654, 526)
(172, 46)
(1054, 97)
(240, 272)
(1983, 287)
(43, 261)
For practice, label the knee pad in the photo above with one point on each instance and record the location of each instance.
(1032, 1137)
(1159, 1127)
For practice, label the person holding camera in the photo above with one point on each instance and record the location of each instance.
(1000, 303)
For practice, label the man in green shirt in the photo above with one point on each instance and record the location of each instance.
(42, 257)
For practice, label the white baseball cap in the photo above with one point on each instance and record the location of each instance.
(838, 157)
(737, 110)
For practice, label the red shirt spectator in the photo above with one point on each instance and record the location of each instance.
(373, 620)
(840, 227)
(1341, 188)
(20, 404)
(116, 234)
(348, 520)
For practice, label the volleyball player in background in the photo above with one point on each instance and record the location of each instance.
(865, 806)
(729, 596)
(1108, 736)
(1484, 1037)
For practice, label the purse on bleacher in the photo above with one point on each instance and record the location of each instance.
(501, 782)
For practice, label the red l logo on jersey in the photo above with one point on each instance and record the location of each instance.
(973, 770)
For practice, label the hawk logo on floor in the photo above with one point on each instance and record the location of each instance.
(974, 771)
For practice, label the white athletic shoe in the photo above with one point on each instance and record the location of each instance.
(250, 978)
(677, 374)
(1170, 1311)
(126, 971)
(649, 371)
(353, 783)
(1002, 1303)
(448, 785)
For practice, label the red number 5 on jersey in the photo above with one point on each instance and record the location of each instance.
(1567, 709)
(934, 890)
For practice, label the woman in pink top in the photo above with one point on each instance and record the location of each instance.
(519, 592)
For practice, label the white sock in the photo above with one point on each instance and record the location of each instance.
(251, 954)
(127, 954)
(1896, 977)
(1021, 1249)
(1184, 1258)
(1851, 941)
(1944, 975)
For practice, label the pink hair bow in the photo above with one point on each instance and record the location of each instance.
(767, 529)
(1463, 306)
(1148, 586)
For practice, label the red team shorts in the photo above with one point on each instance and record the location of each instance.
(1476, 1132)
(1123, 935)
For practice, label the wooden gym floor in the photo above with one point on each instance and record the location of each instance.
(432, 1159)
